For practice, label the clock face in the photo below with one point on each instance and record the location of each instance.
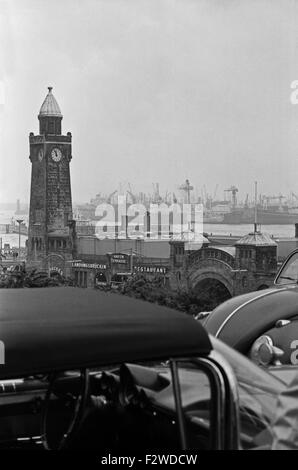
(56, 155)
(40, 155)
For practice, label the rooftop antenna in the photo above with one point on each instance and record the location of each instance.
(256, 209)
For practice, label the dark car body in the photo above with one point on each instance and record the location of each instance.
(99, 370)
(262, 324)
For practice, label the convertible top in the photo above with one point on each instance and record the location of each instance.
(51, 329)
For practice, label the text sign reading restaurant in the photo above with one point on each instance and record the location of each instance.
(88, 265)
(150, 269)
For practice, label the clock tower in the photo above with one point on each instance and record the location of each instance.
(51, 237)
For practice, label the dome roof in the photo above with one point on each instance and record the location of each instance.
(256, 239)
(50, 106)
(189, 236)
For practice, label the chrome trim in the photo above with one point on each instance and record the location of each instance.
(178, 403)
(218, 385)
(280, 323)
(273, 291)
(217, 413)
(275, 283)
(232, 421)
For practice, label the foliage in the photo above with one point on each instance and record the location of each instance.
(154, 290)
(19, 278)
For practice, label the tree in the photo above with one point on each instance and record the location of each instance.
(154, 290)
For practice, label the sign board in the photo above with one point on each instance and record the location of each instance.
(119, 258)
(151, 269)
(55, 269)
(77, 264)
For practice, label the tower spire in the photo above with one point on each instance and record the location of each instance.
(50, 115)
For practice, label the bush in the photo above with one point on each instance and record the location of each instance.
(19, 278)
(153, 290)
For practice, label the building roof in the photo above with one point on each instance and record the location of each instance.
(87, 328)
(50, 106)
(231, 250)
(256, 239)
(190, 237)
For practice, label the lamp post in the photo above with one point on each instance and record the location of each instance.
(19, 221)
(131, 261)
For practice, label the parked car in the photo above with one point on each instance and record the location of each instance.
(263, 324)
(85, 369)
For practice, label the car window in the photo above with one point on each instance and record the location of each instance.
(289, 272)
(196, 401)
(258, 393)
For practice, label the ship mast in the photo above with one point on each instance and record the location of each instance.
(256, 209)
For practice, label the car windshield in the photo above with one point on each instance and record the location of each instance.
(258, 392)
(289, 272)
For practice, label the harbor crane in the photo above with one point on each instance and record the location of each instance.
(129, 191)
(234, 192)
(280, 197)
(110, 197)
(156, 195)
(186, 187)
(215, 192)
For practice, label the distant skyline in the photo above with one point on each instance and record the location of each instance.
(153, 91)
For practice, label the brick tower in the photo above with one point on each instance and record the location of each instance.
(51, 237)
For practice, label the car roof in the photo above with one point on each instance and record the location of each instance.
(59, 328)
(240, 320)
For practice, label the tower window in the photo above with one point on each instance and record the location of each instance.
(51, 127)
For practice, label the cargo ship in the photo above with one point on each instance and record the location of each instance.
(268, 216)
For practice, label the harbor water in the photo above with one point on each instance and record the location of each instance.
(278, 231)
(6, 217)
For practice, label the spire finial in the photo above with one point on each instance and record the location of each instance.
(50, 88)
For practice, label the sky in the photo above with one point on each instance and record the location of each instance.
(153, 91)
